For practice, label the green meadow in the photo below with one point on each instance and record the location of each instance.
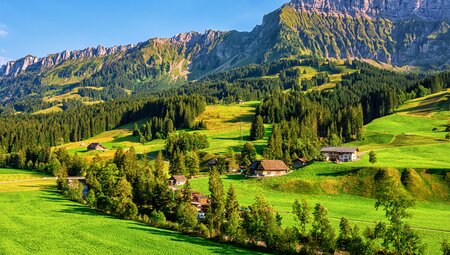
(228, 129)
(413, 137)
(323, 183)
(35, 219)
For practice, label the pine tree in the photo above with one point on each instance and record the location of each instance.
(232, 216)
(159, 165)
(372, 157)
(136, 130)
(216, 210)
(322, 232)
(187, 192)
(257, 129)
(192, 164)
(248, 154)
(231, 203)
(302, 213)
(274, 148)
(232, 163)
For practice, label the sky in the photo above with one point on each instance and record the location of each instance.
(42, 27)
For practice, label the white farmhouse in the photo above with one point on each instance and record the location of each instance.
(341, 154)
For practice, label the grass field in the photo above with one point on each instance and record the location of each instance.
(319, 183)
(39, 220)
(406, 138)
(228, 128)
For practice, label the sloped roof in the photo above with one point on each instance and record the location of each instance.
(94, 145)
(269, 165)
(179, 178)
(303, 160)
(340, 149)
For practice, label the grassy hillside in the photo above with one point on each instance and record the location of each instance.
(412, 137)
(228, 128)
(39, 220)
(329, 184)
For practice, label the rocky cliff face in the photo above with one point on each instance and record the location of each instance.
(35, 64)
(392, 9)
(400, 32)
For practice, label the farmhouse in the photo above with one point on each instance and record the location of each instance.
(340, 154)
(177, 180)
(266, 168)
(299, 162)
(96, 147)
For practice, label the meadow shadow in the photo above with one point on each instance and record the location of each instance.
(217, 248)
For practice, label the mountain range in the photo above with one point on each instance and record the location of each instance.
(394, 32)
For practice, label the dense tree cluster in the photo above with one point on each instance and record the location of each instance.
(308, 121)
(182, 151)
(137, 190)
(22, 131)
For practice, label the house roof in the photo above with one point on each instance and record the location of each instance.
(340, 149)
(303, 160)
(93, 145)
(179, 178)
(269, 165)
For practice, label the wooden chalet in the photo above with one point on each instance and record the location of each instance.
(267, 168)
(96, 147)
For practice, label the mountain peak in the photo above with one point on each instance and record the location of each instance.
(34, 63)
(393, 9)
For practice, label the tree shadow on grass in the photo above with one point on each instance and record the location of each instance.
(244, 138)
(242, 118)
(70, 207)
(128, 138)
(216, 248)
(235, 177)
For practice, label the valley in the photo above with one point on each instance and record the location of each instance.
(325, 129)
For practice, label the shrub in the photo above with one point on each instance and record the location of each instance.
(157, 218)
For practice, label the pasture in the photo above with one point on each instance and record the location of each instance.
(228, 128)
(323, 183)
(413, 137)
(40, 221)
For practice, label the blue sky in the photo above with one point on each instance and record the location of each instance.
(41, 27)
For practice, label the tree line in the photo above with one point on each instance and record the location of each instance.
(137, 190)
(19, 132)
(304, 122)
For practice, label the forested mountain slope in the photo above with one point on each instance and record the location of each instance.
(416, 35)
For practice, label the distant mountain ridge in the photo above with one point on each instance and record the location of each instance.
(32, 63)
(396, 32)
(391, 9)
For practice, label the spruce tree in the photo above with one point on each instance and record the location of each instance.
(231, 203)
(322, 232)
(135, 129)
(232, 163)
(257, 129)
(159, 165)
(248, 154)
(232, 216)
(302, 213)
(192, 163)
(372, 157)
(216, 210)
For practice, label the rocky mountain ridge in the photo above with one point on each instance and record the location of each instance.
(35, 64)
(396, 32)
(392, 9)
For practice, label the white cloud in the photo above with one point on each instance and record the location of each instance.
(4, 60)
(3, 30)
